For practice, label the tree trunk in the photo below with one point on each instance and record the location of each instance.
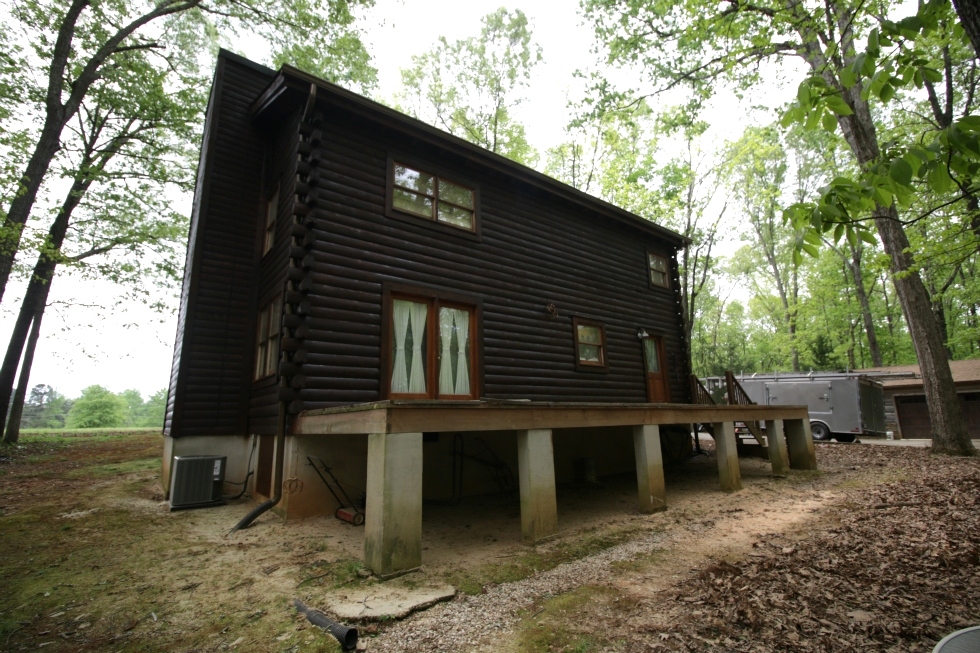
(862, 295)
(969, 13)
(17, 408)
(947, 423)
(20, 207)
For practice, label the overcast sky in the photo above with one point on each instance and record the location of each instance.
(131, 346)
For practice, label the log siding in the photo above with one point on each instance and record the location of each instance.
(534, 248)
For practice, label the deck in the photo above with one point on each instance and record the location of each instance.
(393, 525)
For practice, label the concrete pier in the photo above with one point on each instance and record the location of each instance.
(651, 490)
(800, 443)
(536, 471)
(393, 514)
(776, 443)
(727, 451)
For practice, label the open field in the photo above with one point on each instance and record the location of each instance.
(879, 550)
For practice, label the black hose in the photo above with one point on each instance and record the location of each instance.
(346, 635)
(241, 493)
(250, 471)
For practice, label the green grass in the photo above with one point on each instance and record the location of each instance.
(82, 435)
(117, 469)
(556, 624)
(538, 559)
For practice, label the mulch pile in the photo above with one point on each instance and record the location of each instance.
(895, 568)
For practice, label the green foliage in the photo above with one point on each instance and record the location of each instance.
(469, 87)
(96, 408)
(45, 408)
(925, 55)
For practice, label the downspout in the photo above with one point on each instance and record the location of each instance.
(283, 401)
(276, 477)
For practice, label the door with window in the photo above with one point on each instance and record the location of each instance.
(656, 372)
(431, 350)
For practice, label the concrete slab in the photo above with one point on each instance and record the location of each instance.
(383, 601)
(903, 443)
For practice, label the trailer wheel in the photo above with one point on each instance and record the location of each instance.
(820, 431)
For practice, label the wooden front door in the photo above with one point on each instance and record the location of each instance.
(653, 360)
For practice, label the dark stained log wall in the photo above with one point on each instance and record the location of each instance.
(533, 249)
(209, 386)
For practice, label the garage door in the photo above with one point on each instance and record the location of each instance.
(913, 416)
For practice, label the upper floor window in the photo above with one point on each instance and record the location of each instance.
(590, 345)
(267, 342)
(658, 271)
(432, 197)
(271, 212)
(432, 350)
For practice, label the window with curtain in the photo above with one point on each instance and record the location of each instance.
(267, 339)
(590, 345)
(432, 355)
(427, 195)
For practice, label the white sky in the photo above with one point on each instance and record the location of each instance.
(82, 346)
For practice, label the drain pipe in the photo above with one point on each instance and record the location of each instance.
(346, 635)
(277, 476)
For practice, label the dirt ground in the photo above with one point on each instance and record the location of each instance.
(879, 550)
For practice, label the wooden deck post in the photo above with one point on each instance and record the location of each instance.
(393, 514)
(727, 452)
(800, 443)
(536, 470)
(649, 468)
(776, 441)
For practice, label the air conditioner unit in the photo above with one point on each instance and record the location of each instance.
(195, 481)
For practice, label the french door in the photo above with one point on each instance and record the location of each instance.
(432, 355)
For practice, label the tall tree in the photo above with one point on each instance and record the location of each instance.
(700, 43)
(470, 87)
(91, 38)
(122, 103)
(97, 407)
(758, 176)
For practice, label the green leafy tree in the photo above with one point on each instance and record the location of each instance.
(471, 86)
(758, 173)
(154, 409)
(134, 407)
(96, 408)
(121, 93)
(702, 43)
(44, 408)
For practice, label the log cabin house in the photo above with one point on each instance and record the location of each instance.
(367, 290)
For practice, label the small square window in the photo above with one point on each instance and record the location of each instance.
(429, 196)
(590, 345)
(659, 270)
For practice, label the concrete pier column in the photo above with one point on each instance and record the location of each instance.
(800, 443)
(649, 468)
(536, 470)
(727, 452)
(776, 439)
(393, 514)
